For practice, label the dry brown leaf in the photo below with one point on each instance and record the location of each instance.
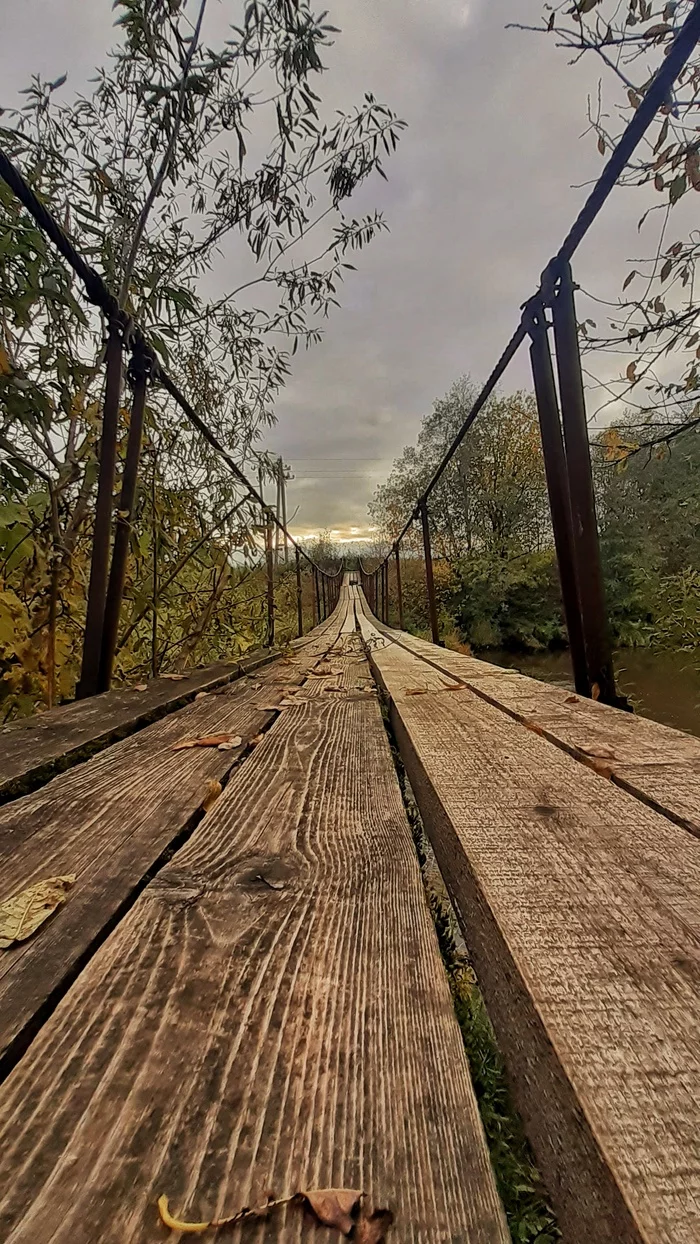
(534, 726)
(211, 794)
(595, 691)
(208, 740)
(417, 691)
(142, 686)
(458, 686)
(174, 677)
(334, 1207)
(23, 913)
(257, 738)
(599, 753)
(372, 1228)
(231, 744)
(571, 699)
(201, 695)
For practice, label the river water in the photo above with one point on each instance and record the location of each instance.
(661, 685)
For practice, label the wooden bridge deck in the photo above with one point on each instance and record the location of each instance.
(252, 999)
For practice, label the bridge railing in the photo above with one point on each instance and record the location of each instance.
(562, 419)
(127, 344)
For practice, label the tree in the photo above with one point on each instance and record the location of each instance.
(491, 498)
(188, 152)
(657, 317)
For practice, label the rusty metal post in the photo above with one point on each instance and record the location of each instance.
(323, 594)
(99, 563)
(138, 374)
(385, 593)
(429, 580)
(583, 514)
(300, 602)
(375, 593)
(269, 557)
(399, 590)
(316, 597)
(558, 489)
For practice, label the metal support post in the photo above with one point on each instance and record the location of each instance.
(578, 464)
(138, 375)
(399, 591)
(429, 580)
(558, 489)
(269, 557)
(99, 563)
(300, 603)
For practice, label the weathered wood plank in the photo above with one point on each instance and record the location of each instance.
(271, 1014)
(656, 763)
(109, 821)
(581, 908)
(36, 748)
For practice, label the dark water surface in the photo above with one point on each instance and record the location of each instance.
(661, 685)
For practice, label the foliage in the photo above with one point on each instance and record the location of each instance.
(492, 495)
(657, 320)
(188, 148)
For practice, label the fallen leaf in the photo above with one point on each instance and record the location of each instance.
(372, 1228)
(534, 726)
(23, 913)
(174, 677)
(599, 753)
(571, 699)
(142, 686)
(417, 691)
(230, 744)
(211, 794)
(195, 1228)
(595, 691)
(458, 686)
(288, 703)
(208, 740)
(201, 695)
(258, 738)
(270, 708)
(334, 1207)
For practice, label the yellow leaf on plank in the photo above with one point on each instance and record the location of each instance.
(24, 913)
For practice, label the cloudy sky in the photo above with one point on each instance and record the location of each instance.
(486, 180)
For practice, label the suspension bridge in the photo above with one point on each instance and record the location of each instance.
(239, 994)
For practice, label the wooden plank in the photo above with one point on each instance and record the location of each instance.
(109, 821)
(657, 764)
(37, 748)
(271, 1014)
(581, 908)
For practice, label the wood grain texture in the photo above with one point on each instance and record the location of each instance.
(110, 819)
(34, 749)
(581, 907)
(656, 763)
(272, 1014)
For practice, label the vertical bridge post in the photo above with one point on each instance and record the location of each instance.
(300, 603)
(558, 489)
(317, 598)
(583, 513)
(269, 557)
(399, 591)
(99, 562)
(429, 580)
(138, 374)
